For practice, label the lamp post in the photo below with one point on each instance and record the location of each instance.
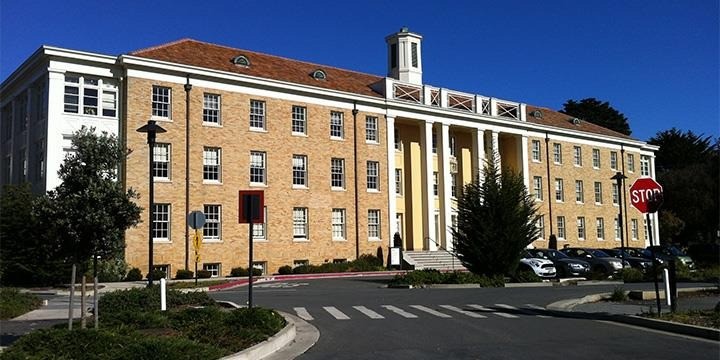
(620, 177)
(152, 129)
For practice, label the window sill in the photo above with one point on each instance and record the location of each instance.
(162, 180)
(374, 239)
(300, 187)
(258, 185)
(257, 240)
(212, 182)
(339, 240)
(258, 130)
(212, 125)
(160, 118)
(536, 161)
(335, 138)
(370, 142)
(337, 189)
(373, 191)
(301, 240)
(213, 241)
(577, 166)
(580, 202)
(299, 134)
(162, 241)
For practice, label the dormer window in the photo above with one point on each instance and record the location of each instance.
(241, 60)
(319, 75)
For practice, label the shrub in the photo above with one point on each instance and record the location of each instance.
(148, 299)
(111, 270)
(134, 275)
(525, 276)
(157, 274)
(204, 274)
(13, 303)
(618, 294)
(632, 275)
(185, 274)
(432, 276)
(239, 272)
(285, 270)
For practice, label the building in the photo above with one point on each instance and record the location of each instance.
(345, 159)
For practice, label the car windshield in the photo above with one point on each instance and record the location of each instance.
(675, 251)
(535, 253)
(554, 254)
(599, 253)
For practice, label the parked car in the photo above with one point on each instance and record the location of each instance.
(543, 268)
(670, 252)
(641, 263)
(565, 265)
(600, 262)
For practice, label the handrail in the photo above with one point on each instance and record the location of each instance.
(444, 249)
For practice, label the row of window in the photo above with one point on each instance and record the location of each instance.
(212, 115)
(89, 95)
(579, 191)
(212, 230)
(582, 228)
(596, 161)
(215, 269)
(212, 168)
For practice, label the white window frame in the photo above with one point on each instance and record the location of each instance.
(559, 190)
(371, 129)
(338, 226)
(581, 227)
(634, 228)
(617, 229)
(161, 104)
(212, 230)
(453, 185)
(557, 153)
(105, 98)
(644, 165)
(631, 163)
(211, 109)
(299, 171)
(337, 125)
(337, 173)
(537, 188)
(577, 156)
(213, 268)
(434, 142)
(373, 224)
(613, 160)
(397, 141)
(561, 227)
(257, 115)
(536, 155)
(398, 182)
(161, 222)
(579, 192)
(598, 192)
(212, 164)
(373, 176)
(299, 120)
(435, 183)
(615, 194)
(596, 159)
(300, 224)
(260, 229)
(258, 168)
(161, 162)
(600, 228)
(540, 224)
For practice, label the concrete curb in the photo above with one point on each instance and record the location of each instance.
(269, 346)
(244, 282)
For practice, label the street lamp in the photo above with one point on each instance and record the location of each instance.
(620, 177)
(152, 129)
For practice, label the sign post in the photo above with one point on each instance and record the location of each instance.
(250, 209)
(646, 195)
(196, 220)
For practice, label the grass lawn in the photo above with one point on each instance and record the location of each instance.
(13, 303)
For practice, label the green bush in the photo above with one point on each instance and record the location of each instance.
(157, 274)
(204, 274)
(632, 275)
(366, 262)
(432, 276)
(111, 270)
(525, 276)
(148, 299)
(241, 271)
(13, 303)
(134, 275)
(618, 294)
(185, 274)
(285, 270)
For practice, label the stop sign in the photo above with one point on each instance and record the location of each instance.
(646, 195)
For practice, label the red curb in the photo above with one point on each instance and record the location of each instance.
(244, 282)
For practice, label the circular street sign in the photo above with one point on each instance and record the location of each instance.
(196, 220)
(646, 195)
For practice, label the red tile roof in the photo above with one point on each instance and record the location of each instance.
(560, 120)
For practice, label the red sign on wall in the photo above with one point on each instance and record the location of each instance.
(250, 206)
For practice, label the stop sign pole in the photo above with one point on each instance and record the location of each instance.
(646, 195)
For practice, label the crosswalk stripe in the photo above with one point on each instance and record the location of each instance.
(509, 307)
(303, 313)
(336, 313)
(532, 306)
(464, 312)
(482, 308)
(430, 311)
(400, 311)
(371, 314)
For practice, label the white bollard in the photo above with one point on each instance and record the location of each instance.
(666, 280)
(163, 305)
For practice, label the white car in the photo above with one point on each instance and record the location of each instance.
(543, 268)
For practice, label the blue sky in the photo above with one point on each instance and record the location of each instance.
(655, 61)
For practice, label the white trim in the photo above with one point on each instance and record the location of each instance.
(445, 203)
(427, 171)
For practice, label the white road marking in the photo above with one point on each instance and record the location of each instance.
(303, 313)
(400, 311)
(430, 311)
(509, 307)
(532, 306)
(464, 312)
(482, 308)
(336, 313)
(371, 314)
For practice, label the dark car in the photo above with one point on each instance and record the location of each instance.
(641, 263)
(600, 262)
(565, 265)
(672, 253)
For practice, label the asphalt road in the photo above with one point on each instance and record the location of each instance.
(358, 319)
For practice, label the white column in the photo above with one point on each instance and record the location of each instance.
(392, 205)
(446, 192)
(496, 149)
(54, 150)
(428, 197)
(478, 153)
(524, 159)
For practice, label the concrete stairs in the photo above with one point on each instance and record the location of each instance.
(439, 260)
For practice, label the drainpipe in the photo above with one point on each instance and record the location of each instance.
(188, 87)
(357, 224)
(547, 163)
(624, 198)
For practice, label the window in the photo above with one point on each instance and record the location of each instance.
(374, 224)
(161, 222)
(257, 115)
(434, 143)
(260, 229)
(299, 166)
(577, 156)
(615, 194)
(260, 265)
(541, 227)
(214, 269)
(398, 142)
(644, 165)
(559, 192)
(211, 229)
(299, 114)
(161, 101)
(211, 109)
(95, 96)
(561, 227)
(634, 228)
(211, 164)
(453, 146)
(453, 184)
(536, 150)
(373, 168)
(336, 125)
(398, 182)
(598, 192)
(300, 223)
(435, 183)
(338, 224)
(600, 226)
(161, 161)
(297, 263)
(371, 129)
(339, 261)
(257, 167)
(617, 229)
(337, 173)
(39, 161)
(164, 268)
(393, 56)
(596, 158)
(645, 228)
(581, 227)
(557, 153)
(414, 52)
(631, 162)
(537, 188)
(579, 194)
(613, 160)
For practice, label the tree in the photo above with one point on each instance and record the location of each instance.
(687, 167)
(599, 113)
(496, 221)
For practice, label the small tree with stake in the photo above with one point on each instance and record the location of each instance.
(496, 221)
(90, 211)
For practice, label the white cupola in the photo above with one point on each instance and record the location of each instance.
(405, 56)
